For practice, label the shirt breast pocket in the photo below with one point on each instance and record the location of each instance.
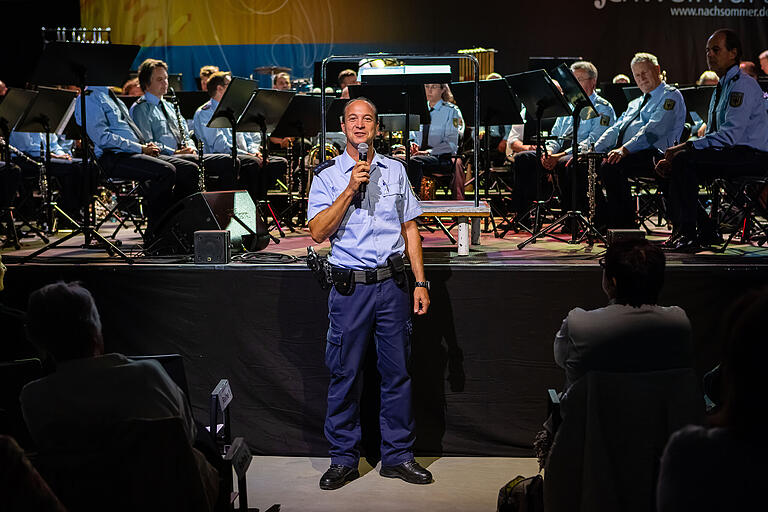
(391, 205)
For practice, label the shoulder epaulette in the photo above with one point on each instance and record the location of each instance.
(324, 165)
(602, 100)
(205, 106)
(140, 100)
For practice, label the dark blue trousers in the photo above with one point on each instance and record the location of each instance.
(381, 309)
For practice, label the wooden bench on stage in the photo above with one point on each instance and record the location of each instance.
(463, 210)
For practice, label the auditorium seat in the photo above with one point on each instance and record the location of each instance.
(605, 454)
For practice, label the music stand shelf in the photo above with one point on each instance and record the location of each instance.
(464, 211)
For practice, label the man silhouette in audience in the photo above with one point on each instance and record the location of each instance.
(734, 447)
(91, 391)
(632, 333)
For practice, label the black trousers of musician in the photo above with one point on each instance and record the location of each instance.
(426, 165)
(10, 178)
(621, 208)
(69, 174)
(164, 179)
(692, 167)
(219, 174)
(524, 184)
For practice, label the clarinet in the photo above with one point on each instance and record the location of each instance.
(19, 153)
(200, 167)
(182, 128)
(591, 181)
(42, 179)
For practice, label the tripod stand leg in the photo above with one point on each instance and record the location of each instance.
(445, 230)
(274, 219)
(12, 238)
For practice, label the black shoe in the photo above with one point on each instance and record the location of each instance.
(410, 471)
(336, 476)
(686, 243)
(670, 242)
(710, 238)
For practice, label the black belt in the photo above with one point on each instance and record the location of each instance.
(372, 276)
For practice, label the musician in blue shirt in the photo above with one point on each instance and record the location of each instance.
(369, 231)
(651, 124)
(255, 177)
(66, 169)
(434, 147)
(736, 144)
(159, 123)
(123, 152)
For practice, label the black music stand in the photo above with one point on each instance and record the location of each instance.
(497, 107)
(189, 101)
(631, 92)
(82, 64)
(262, 114)
(391, 97)
(542, 100)
(235, 100)
(583, 109)
(49, 113)
(697, 100)
(300, 120)
(15, 105)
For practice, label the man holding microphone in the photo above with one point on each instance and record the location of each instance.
(363, 203)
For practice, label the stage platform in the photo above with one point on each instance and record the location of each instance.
(481, 359)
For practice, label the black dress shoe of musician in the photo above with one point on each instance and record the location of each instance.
(410, 471)
(336, 476)
(709, 238)
(670, 242)
(687, 243)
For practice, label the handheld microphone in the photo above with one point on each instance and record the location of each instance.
(362, 150)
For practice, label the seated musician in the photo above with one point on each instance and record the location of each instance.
(651, 124)
(346, 78)
(437, 142)
(64, 167)
(559, 151)
(159, 123)
(736, 144)
(219, 140)
(205, 74)
(123, 152)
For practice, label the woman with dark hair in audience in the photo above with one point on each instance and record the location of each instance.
(722, 467)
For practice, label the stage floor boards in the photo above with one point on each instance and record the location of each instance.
(437, 251)
(463, 484)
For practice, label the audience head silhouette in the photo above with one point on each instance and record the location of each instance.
(633, 272)
(63, 322)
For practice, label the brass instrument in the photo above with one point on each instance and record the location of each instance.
(428, 188)
(314, 158)
(200, 167)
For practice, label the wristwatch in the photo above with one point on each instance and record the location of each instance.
(422, 284)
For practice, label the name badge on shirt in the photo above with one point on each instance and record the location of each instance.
(736, 99)
(669, 104)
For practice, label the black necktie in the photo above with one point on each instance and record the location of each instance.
(626, 125)
(713, 113)
(126, 116)
(172, 123)
(425, 132)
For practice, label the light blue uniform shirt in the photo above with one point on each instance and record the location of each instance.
(659, 125)
(29, 143)
(446, 125)
(219, 140)
(371, 229)
(106, 125)
(589, 130)
(148, 116)
(741, 116)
